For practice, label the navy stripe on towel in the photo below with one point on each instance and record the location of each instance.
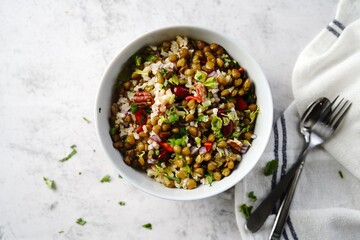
(284, 143)
(339, 24)
(284, 167)
(276, 156)
(292, 229)
(333, 31)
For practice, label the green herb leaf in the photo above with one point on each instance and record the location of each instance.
(73, 152)
(147, 225)
(211, 82)
(113, 131)
(341, 174)
(120, 176)
(200, 75)
(172, 178)
(138, 71)
(174, 80)
(203, 118)
(81, 221)
(86, 120)
(209, 178)
(172, 118)
(252, 197)
(163, 71)
(121, 203)
(106, 178)
(216, 125)
(133, 108)
(270, 167)
(150, 58)
(49, 183)
(137, 60)
(245, 210)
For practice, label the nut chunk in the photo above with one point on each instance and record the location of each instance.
(142, 98)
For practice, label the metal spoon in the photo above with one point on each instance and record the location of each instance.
(309, 118)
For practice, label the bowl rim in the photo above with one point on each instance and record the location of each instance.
(190, 196)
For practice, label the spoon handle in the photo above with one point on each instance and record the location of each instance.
(258, 217)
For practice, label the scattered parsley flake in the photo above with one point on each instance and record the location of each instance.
(81, 221)
(86, 120)
(121, 203)
(209, 178)
(341, 174)
(270, 167)
(137, 60)
(99, 110)
(245, 210)
(73, 152)
(120, 176)
(62, 231)
(105, 179)
(251, 196)
(49, 183)
(150, 58)
(147, 225)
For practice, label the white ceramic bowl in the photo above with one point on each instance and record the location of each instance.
(262, 129)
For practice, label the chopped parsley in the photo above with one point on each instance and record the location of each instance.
(120, 176)
(270, 167)
(251, 196)
(81, 221)
(147, 225)
(341, 174)
(105, 179)
(73, 152)
(49, 183)
(121, 203)
(174, 80)
(133, 108)
(203, 118)
(113, 131)
(99, 110)
(245, 210)
(86, 120)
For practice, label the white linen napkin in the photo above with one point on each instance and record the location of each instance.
(326, 204)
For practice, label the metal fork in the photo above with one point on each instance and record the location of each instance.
(321, 132)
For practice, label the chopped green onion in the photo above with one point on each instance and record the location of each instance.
(150, 58)
(211, 82)
(106, 178)
(172, 178)
(209, 178)
(270, 167)
(121, 203)
(138, 71)
(73, 152)
(137, 60)
(245, 210)
(203, 118)
(86, 120)
(200, 75)
(81, 221)
(49, 183)
(174, 80)
(216, 125)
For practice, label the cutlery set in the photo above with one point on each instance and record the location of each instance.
(317, 125)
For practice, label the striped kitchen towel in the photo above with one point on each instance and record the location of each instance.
(326, 204)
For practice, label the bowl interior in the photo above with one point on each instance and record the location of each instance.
(262, 128)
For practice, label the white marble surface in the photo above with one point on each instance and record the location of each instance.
(52, 55)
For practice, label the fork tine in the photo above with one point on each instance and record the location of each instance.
(338, 117)
(326, 114)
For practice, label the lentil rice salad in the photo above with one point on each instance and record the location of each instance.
(185, 115)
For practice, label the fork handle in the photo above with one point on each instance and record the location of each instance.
(259, 216)
(285, 206)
